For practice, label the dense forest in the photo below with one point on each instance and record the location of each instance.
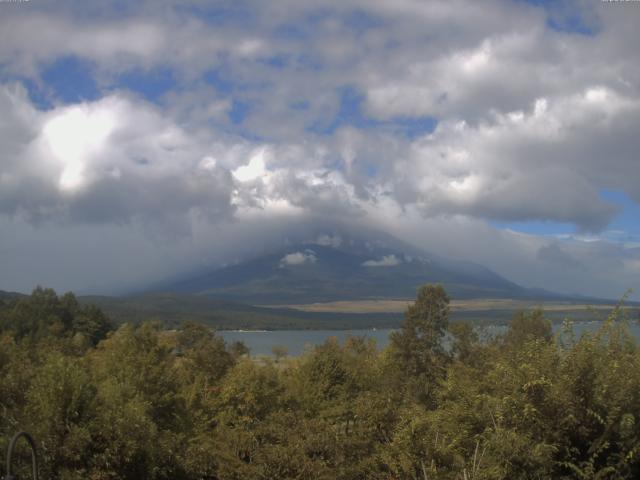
(138, 402)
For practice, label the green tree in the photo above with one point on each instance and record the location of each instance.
(44, 314)
(527, 326)
(465, 341)
(92, 324)
(141, 418)
(59, 411)
(204, 352)
(417, 346)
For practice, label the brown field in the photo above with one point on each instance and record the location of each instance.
(395, 306)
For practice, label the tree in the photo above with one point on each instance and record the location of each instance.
(525, 327)
(464, 341)
(417, 346)
(204, 352)
(45, 314)
(92, 323)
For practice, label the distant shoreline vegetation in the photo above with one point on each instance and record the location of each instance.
(172, 309)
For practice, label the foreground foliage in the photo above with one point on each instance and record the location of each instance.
(139, 402)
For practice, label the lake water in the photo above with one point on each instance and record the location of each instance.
(261, 343)
(296, 341)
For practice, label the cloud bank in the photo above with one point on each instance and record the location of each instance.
(169, 124)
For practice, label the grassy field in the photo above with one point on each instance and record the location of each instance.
(488, 304)
(486, 311)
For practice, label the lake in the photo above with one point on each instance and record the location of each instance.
(262, 342)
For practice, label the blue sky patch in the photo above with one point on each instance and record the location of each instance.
(414, 127)
(625, 226)
(301, 105)
(220, 81)
(290, 31)
(628, 218)
(71, 80)
(571, 24)
(350, 113)
(277, 61)
(239, 111)
(564, 17)
(361, 21)
(151, 84)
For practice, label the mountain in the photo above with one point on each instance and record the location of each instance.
(9, 296)
(345, 267)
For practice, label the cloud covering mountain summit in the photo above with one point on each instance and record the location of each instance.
(172, 123)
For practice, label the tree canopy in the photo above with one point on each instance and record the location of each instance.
(138, 401)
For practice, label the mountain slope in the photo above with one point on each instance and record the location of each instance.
(309, 272)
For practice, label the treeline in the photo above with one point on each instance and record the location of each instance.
(138, 402)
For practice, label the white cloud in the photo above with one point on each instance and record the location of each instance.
(74, 135)
(549, 162)
(531, 126)
(33, 39)
(106, 161)
(385, 261)
(298, 258)
(329, 240)
(254, 169)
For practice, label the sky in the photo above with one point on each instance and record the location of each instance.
(143, 140)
